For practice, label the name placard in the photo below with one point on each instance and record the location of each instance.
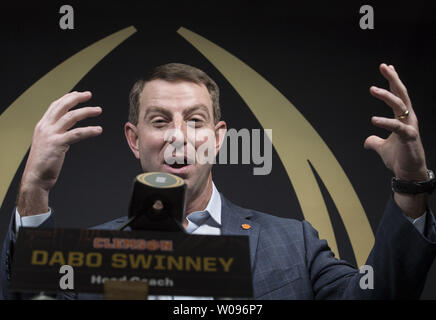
(172, 263)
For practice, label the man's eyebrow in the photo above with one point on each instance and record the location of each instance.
(156, 109)
(164, 111)
(195, 108)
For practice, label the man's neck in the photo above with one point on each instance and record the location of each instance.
(198, 202)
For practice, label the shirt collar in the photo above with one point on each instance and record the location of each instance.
(213, 208)
(214, 205)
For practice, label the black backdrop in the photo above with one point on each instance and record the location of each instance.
(314, 53)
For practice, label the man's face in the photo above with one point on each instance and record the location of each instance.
(166, 110)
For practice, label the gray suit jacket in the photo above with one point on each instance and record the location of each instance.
(289, 261)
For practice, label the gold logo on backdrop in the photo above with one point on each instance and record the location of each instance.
(296, 141)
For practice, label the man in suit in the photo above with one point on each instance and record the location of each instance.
(288, 259)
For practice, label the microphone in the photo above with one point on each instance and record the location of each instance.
(157, 203)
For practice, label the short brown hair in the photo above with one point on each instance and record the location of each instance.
(174, 72)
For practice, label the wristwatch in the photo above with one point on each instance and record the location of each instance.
(414, 187)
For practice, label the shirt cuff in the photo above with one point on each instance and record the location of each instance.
(419, 222)
(30, 221)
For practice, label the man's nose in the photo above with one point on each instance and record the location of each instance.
(179, 137)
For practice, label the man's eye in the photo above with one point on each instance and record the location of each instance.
(158, 122)
(196, 121)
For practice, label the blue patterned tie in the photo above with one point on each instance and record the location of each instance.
(196, 219)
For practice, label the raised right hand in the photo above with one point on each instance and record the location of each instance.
(51, 140)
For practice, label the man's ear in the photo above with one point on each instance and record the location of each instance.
(220, 133)
(131, 133)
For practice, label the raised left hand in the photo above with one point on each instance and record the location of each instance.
(402, 152)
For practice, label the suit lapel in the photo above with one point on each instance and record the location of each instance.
(232, 219)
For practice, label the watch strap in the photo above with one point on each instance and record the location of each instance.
(414, 187)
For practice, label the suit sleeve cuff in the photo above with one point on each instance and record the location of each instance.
(419, 223)
(30, 221)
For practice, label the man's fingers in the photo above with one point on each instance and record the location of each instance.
(390, 99)
(374, 143)
(69, 119)
(79, 134)
(68, 101)
(396, 85)
(394, 125)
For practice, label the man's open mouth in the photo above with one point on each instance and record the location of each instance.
(178, 165)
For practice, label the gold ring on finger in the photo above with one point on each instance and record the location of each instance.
(404, 115)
